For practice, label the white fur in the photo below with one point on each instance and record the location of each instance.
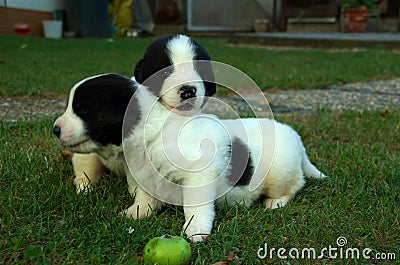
(282, 163)
(180, 50)
(282, 172)
(190, 149)
(158, 160)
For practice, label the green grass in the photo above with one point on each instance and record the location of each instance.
(44, 67)
(44, 221)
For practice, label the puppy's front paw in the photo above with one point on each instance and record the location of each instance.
(83, 186)
(271, 204)
(138, 211)
(198, 238)
(196, 232)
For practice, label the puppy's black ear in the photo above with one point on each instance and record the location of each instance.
(205, 69)
(211, 88)
(138, 72)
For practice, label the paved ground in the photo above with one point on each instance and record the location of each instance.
(322, 40)
(357, 96)
(379, 95)
(328, 36)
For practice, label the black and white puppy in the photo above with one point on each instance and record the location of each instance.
(91, 126)
(240, 160)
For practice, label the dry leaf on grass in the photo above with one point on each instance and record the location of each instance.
(231, 257)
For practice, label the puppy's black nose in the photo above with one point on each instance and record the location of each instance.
(187, 92)
(57, 130)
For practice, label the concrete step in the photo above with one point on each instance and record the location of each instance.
(312, 24)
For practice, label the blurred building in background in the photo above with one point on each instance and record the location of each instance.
(106, 18)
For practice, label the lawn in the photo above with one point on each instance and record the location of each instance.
(42, 67)
(44, 221)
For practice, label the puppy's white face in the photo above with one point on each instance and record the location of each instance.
(183, 90)
(178, 72)
(95, 113)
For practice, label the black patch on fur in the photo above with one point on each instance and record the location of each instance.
(205, 69)
(156, 58)
(241, 164)
(101, 103)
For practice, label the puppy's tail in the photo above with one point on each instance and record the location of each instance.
(311, 171)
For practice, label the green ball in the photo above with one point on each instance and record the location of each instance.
(167, 250)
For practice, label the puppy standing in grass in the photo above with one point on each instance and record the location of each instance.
(179, 167)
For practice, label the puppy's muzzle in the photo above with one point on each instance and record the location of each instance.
(57, 130)
(187, 92)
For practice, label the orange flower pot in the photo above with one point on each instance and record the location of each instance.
(355, 19)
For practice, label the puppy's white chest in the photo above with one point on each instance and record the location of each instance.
(192, 144)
